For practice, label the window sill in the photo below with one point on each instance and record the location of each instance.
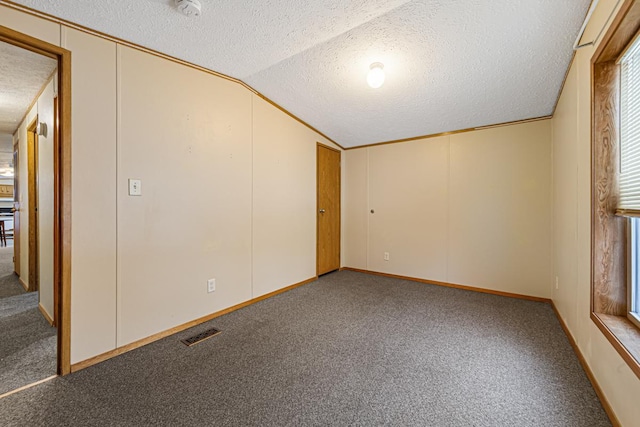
(623, 335)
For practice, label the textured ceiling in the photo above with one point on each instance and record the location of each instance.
(22, 75)
(450, 64)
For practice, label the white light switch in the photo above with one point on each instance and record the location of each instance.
(135, 187)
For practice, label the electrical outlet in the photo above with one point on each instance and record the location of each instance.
(556, 282)
(386, 256)
(211, 285)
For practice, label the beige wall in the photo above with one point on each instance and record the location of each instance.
(43, 110)
(93, 194)
(228, 192)
(190, 144)
(45, 200)
(571, 195)
(471, 209)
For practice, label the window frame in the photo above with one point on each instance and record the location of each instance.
(610, 229)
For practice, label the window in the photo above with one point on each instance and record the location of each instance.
(615, 185)
(634, 273)
(629, 192)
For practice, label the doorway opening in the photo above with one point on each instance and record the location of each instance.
(36, 233)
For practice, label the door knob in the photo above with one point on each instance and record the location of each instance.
(322, 211)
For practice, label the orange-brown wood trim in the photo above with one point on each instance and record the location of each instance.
(327, 147)
(596, 387)
(32, 197)
(132, 45)
(564, 82)
(9, 393)
(451, 285)
(617, 343)
(62, 216)
(62, 191)
(45, 314)
(56, 208)
(621, 31)
(454, 132)
(140, 343)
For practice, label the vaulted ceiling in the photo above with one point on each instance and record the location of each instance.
(450, 64)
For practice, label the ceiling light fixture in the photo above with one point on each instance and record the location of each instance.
(375, 78)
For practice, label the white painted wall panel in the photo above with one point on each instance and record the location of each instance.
(500, 209)
(284, 200)
(93, 197)
(30, 25)
(187, 136)
(45, 200)
(356, 211)
(408, 185)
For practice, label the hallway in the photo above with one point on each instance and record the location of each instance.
(27, 341)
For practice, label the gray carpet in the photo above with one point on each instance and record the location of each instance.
(27, 341)
(348, 349)
(9, 284)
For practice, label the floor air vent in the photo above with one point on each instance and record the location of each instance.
(200, 337)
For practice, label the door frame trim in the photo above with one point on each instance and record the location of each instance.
(62, 187)
(32, 208)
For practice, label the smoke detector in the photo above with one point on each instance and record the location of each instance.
(189, 7)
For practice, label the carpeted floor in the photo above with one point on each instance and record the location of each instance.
(348, 349)
(27, 341)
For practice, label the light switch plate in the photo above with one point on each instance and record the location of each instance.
(135, 187)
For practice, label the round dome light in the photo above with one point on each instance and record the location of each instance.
(375, 78)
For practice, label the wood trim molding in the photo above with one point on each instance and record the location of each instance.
(62, 186)
(454, 132)
(45, 314)
(608, 251)
(596, 387)
(9, 393)
(450, 285)
(140, 343)
(621, 31)
(132, 45)
(623, 336)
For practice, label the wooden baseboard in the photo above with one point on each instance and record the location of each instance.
(451, 285)
(137, 344)
(45, 314)
(24, 285)
(603, 400)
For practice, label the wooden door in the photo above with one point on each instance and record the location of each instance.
(32, 191)
(328, 223)
(16, 211)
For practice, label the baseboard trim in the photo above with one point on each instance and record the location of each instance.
(45, 314)
(140, 343)
(596, 387)
(451, 285)
(24, 285)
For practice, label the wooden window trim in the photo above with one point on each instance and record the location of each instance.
(608, 229)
